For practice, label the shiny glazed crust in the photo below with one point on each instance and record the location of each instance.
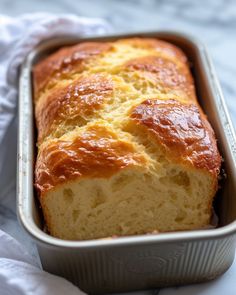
(97, 103)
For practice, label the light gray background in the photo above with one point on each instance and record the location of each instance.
(211, 21)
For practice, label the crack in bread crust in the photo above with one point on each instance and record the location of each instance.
(113, 110)
(110, 92)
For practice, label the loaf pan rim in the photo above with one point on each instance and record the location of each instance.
(170, 237)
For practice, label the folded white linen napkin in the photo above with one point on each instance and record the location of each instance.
(19, 272)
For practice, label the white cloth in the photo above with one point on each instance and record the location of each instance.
(20, 275)
(19, 272)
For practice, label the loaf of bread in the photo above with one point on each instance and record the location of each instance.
(123, 145)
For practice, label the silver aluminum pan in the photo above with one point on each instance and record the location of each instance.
(144, 261)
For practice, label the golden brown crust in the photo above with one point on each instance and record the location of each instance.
(64, 61)
(183, 131)
(72, 103)
(160, 46)
(97, 152)
(164, 73)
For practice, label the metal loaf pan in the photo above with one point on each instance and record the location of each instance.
(136, 262)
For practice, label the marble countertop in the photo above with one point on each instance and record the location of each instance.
(214, 23)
